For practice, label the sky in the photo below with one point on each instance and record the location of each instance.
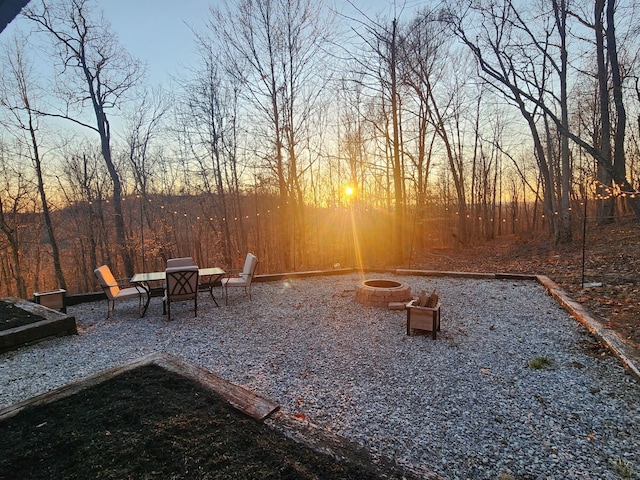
(158, 32)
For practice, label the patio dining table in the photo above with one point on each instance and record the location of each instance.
(208, 277)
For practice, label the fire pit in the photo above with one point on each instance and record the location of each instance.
(380, 293)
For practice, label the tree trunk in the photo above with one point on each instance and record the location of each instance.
(619, 163)
(14, 244)
(605, 206)
(55, 252)
(564, 234)
(397, 166)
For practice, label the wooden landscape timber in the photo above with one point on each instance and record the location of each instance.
(240, 398)
(53, 324)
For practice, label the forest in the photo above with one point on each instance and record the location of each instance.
(312, 138)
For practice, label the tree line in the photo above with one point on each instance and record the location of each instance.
(451, 124)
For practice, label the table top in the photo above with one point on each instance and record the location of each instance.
(158, 276)
(204, 272)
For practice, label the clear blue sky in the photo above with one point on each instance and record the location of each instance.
(158, 31)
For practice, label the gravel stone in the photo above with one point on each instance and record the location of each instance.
(466, 405)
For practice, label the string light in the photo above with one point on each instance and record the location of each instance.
(605, 192)
(612, 191)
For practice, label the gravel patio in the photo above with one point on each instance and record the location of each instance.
(470, 404)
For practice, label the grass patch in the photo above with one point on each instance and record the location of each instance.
(540, 363)
(622, 467)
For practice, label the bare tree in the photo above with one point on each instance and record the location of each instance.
(16, 98)
(14, 196)
(619, 162)
(604, 139)
(97, 70)
(526, 85)
(422, 59)
(512, 72)
(425, 63)
(208, 109)
(84, 183)
(274, 49)
(560, 12)
(380, 64)
(143, 127)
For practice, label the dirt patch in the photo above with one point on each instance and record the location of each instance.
(153, 423)
(12, 316)
(611, 262)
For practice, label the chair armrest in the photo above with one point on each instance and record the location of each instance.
(124, 283)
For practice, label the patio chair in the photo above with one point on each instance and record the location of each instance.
(117, 290)
(242, 279)
(180, 262)
(177, 262)
(182, 284)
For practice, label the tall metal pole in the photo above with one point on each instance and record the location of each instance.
(584, 236)
(142, 231)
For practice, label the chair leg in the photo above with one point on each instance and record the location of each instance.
(168, 310)
(408, 321)
(110, 305)
(213, 296)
